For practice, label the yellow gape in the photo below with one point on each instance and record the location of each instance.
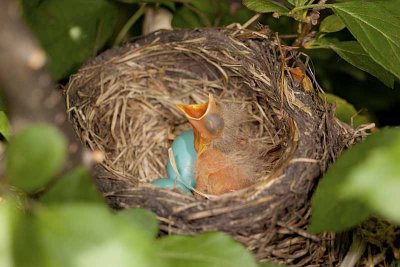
(216, 171)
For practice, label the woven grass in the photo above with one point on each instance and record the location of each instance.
(122, 103)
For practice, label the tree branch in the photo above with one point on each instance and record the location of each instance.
(25, 82)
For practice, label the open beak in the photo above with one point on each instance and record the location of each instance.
(206, 120)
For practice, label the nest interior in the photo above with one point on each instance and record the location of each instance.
(122, 103)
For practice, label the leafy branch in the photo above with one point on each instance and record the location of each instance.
(374, 24)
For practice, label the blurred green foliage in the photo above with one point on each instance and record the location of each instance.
(4, 126)
(75, 186)
(39, 150)
(84, 234)
(202, 250)
(208, 13)
(166, 3)
(70, 31)
(364, 181)
(346, 111)
(69, 224)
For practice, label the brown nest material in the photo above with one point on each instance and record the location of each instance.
(122, 103)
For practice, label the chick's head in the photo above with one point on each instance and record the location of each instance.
(207, 121)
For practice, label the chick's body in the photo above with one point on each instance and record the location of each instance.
(226, 161)
(218, 174)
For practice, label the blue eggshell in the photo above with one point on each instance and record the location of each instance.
(169, 183)
(185, 158)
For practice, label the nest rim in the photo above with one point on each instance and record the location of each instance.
(266, 201)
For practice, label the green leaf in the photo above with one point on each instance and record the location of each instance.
(3, 104)
(34, 156)
(210, 249)
(353, 53)
(240, 15)
(210, 8)
(301, 2)
(332, 23)
(141, 219)
(201, 13)
(18, 240)
(6, 234)
(265, 6)
(31, 4)
(73, 235)
(376, 26)
(345, 111)
(359, 184)
(377, 181)
(76, 186)
(71, 31)
(166, 3)
(4, 126)
(298, 3)
(27, 249)
(86, 235)
(186, 18)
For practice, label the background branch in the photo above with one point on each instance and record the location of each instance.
(25, 82)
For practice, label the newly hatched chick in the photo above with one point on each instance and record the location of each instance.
(226, 160)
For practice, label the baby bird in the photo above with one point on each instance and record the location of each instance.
(225, 162)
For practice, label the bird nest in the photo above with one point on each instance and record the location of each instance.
(122, 103)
